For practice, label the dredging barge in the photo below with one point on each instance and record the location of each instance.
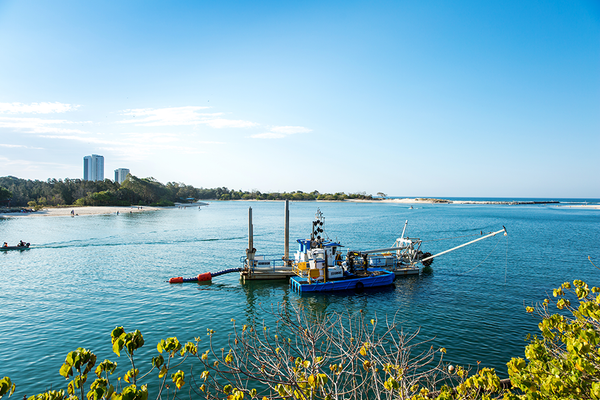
(402, 258)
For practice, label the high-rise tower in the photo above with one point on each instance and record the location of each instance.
(121, 174)
(93, 168)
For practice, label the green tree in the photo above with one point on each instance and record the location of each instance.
(564, 361)
(5, 194)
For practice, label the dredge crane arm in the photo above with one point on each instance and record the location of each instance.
(466, 244)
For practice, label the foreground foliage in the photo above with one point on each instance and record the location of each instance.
(341, 356)
(564, 361)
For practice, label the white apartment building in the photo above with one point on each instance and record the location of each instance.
(121, 174)
(93, 168)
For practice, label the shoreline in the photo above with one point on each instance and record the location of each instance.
(80, 211)
(412, 201)
(583, 206)
(106, 210)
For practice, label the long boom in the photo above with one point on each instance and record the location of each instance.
(466, 244)
(382, 250)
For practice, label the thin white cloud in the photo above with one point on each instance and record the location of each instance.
(178, 116)
(142, 152)
(228, 123)
(87, 138)
(141, 143)
(36, 108)
(28, 165)
(15, 146)
(136, 138)
(289, 130)
(163, 116)
(142, 137)
(278, 132)
(39, 125)
(145, 150)
(268, 135)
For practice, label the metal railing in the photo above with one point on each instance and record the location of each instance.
(264, 262)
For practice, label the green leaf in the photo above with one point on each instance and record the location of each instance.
(116, 333)
(157, 361)
(65, 370)
(71, 388)
(177, 378)
(117, 346)
(163, 371)
(6, 387)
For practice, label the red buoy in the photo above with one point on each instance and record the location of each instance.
(178, 279)
(204, 277)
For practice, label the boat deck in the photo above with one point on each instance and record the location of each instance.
(377, 278)
(406, 271)
(267, 274)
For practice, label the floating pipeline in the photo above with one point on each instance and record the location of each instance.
(206, 276)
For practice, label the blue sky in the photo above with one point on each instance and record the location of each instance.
(411, 98)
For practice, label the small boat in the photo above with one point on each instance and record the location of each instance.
(21, 246)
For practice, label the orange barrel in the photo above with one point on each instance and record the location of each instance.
(178, 279)
(204, 277)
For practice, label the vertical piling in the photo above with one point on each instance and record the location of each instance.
(286, 252)
(250, 250)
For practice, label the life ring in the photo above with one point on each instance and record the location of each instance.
(359, 287)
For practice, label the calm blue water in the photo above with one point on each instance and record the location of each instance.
(87, 275)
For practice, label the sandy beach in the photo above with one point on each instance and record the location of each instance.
(585, 206)
(423, 200)
(412, 201)
(402, 201)
(79, 211)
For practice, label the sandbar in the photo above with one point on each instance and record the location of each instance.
(584, 206)
(406, 200)
(80, 211)
(420, 200)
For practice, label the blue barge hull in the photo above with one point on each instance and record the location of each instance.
(380, 278)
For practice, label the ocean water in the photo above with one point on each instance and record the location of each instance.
(88, 274)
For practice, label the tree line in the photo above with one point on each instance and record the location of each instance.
(16, 192)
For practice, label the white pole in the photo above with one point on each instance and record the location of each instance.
(466, 244)
(404, 229)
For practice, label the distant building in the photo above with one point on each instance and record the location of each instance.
(121, 174)
(93, 168)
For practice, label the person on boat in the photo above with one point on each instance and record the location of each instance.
(5, 244)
